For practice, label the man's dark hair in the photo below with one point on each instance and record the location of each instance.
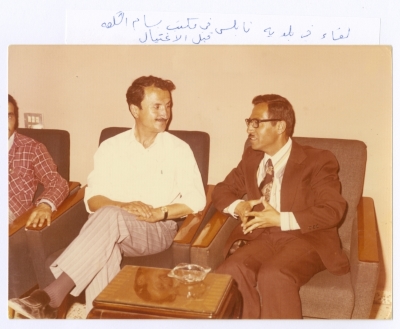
(14, 103)
(135, 92)
(278, 108)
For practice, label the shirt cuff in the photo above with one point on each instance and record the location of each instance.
(289, 222)
(231, 208)
(51, 204)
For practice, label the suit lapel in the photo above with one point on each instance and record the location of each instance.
(254, 159)
(292, 176)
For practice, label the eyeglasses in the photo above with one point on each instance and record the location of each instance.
(255, 123)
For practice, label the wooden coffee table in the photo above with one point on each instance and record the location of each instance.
(148, 293)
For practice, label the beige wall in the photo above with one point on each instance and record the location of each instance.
(338, 92)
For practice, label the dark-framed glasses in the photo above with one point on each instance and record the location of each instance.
(255, 123)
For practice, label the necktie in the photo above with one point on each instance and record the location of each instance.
(266, 184)
(265, 189)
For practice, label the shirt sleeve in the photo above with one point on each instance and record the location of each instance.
(189, 180)
(56, 188)
(231, 208)
(289, 222)
(98, 182)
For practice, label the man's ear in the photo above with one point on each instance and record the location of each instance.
(281, 126)
(134, 110)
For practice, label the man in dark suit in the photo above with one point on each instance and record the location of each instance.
(288, 225)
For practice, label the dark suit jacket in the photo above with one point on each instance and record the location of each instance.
(310, 189)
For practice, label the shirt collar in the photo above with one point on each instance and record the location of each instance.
(280, 154)
(133, 139)
(11, 141)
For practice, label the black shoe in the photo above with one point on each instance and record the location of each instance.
(35, 306)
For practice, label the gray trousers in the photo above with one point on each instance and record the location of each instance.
(93, 259)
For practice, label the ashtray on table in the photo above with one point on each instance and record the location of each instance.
(189, 273)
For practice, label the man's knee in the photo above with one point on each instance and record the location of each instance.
(104, 216)
(230, 266)
(272, 277)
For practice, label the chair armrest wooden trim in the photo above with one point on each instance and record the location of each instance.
(192, 222)
(367, 231)
(68, 203)
(210, 231)
(20, 222)
(73, 187)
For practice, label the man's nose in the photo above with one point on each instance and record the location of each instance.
(163, 111)
(250, 128)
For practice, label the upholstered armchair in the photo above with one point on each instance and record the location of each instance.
(325, 296)
(21, 269)
(49, 242)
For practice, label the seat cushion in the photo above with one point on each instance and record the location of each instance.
(328, 296)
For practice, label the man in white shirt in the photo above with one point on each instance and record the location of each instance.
(142, 180)
(287, 230)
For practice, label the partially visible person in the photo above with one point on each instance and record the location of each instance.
(29, 163)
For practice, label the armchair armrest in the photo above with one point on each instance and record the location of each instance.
(20, 222)
(47, 242)
(74, 187)
(192, 222)
(68, 203)
(22, 267)
(207, 249)
(364, 258)
(210, 231)
(367, 231)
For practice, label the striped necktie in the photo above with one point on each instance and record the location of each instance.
(266, 184)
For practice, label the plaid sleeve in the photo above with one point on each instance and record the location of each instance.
(55, 187)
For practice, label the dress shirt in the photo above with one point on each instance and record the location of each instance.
(29, 163)
(164, 173)
(279, 161)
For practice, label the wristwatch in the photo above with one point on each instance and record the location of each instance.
(165, 211)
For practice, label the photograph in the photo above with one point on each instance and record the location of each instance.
(269, 166)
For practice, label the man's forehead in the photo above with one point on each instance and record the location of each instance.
(260, 110)
(154, 93)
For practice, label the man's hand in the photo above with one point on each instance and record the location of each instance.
(139, 209)
(156, 216)
(39, 215)
(244, 207)
(268, 217)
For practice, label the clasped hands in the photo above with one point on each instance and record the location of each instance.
(268, 217)
(143, 211)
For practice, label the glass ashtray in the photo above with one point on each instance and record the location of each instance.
(189, 273)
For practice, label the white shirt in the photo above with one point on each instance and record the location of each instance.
(164, 173)
(11, 141)
(279, 161)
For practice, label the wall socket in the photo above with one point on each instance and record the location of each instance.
(33, 120)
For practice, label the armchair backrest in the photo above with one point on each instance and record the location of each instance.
(57, 143)
(198, 141)
(352, 157)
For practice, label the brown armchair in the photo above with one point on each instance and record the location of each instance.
(47, 243)
(21, 269)
(325, 295)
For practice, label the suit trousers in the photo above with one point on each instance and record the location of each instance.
(269, 271)
(93, 259)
